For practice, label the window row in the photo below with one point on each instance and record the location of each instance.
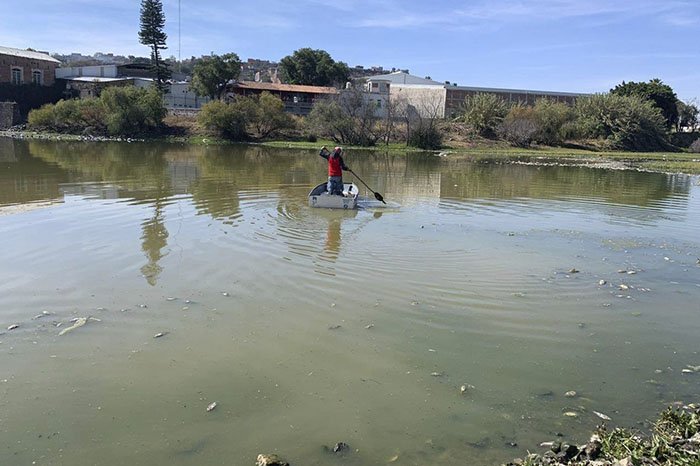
(17, 76)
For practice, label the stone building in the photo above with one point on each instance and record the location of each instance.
(19, 67)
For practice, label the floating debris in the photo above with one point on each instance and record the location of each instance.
(225, 293)
(211, 406)
(369, 326)
(334, 327)
(602, 282)
(160, 334)
(571, 414)
(602, 416)
(687, 371)
(393, 459)
(631, 272)
(693, 368)
(340, 447)
(143, 306)
(13, 326)
(78, 322)
(43, 314)
(571, 394)
(437, 374)
(463, 389)
(170, 298)
(624, 287)
(573, 271)
(622, 271)
(188, 301)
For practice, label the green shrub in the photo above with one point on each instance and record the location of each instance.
(484, 112)
(223, 119)
(69, 116)
(119, 111)
(625, 122)
(426, 136)
(552, 118)
(132, 111)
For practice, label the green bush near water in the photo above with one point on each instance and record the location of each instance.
(119, 111)
(261, 116)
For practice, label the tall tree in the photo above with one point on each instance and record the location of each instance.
(660, 94)
(152, 35)
(314, 68)
(211, 74)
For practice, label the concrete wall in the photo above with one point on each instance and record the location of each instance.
(104, 71)
(428, 101)
(27, 65)
(9, 114)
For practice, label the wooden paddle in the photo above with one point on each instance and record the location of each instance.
(376, 194)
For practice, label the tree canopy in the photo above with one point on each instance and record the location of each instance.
(211, 74)
(152, 35)
(314, 68)
(660, 94)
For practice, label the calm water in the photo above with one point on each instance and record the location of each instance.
(310, 327)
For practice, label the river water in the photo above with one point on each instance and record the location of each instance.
(443, 328)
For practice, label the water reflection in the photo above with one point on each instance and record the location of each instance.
(154, 240)
(442, 291)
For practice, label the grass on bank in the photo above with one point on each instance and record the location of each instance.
(674, 440)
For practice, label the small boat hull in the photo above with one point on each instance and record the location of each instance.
(319, 197)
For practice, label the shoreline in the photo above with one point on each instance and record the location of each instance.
(655, 162)
(674, 439)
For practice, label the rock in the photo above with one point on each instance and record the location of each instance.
(567, 452)
(593, 449)
(270, 460)
(341, 447)
(624, 462)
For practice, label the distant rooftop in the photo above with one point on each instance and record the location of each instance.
(285, 87)
(400, 77)
(403, 78)
(27, 54)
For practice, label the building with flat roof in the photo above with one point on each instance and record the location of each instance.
(444, 99)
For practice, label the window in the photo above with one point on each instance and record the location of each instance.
(379, 103)
(17, 76)
(37, 77)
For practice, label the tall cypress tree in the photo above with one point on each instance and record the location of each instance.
(152, 35)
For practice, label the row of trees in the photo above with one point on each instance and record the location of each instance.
(633, 116)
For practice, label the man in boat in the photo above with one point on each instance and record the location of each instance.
(336, 165)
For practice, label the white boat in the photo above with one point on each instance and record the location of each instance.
(319, 197)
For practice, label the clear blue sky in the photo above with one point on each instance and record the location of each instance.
(564, 45)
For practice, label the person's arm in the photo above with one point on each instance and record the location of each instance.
(324, 153)
(342, 164)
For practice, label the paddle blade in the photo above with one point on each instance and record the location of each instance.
(379, 197)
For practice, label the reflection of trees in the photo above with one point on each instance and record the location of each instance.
(24, 178)
(154, 239)
(489, 181)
